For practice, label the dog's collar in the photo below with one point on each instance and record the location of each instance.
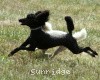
(36, 28)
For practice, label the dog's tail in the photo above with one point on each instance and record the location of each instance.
(80, 35)
(70, 24)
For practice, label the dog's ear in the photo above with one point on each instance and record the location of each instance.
(30, 16)
(42, 16)
(38, 12)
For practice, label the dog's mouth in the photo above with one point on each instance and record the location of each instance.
(21, 21)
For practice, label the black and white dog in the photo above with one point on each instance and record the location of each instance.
(42, 40)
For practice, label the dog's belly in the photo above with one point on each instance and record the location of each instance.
(45, 44)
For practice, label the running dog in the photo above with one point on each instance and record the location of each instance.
(42, 40)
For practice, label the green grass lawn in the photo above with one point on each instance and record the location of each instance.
(65, 66)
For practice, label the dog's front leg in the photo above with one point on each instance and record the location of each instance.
(26, 42)
(19, 48)
(13, 52)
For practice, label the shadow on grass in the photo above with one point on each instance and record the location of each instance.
(38, 55)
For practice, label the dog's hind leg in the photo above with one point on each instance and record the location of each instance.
(89, 51)
(78, 50)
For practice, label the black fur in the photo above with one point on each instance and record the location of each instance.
(42, 40)
(70, 25)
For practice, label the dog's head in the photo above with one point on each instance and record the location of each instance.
(35, 20)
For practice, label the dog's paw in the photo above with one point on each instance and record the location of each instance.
(9, 55)
(95, 53)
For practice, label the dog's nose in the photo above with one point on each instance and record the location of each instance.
(20, 20)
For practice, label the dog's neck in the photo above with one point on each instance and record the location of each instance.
(36, 28)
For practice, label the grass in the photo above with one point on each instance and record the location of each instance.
(85, 13)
